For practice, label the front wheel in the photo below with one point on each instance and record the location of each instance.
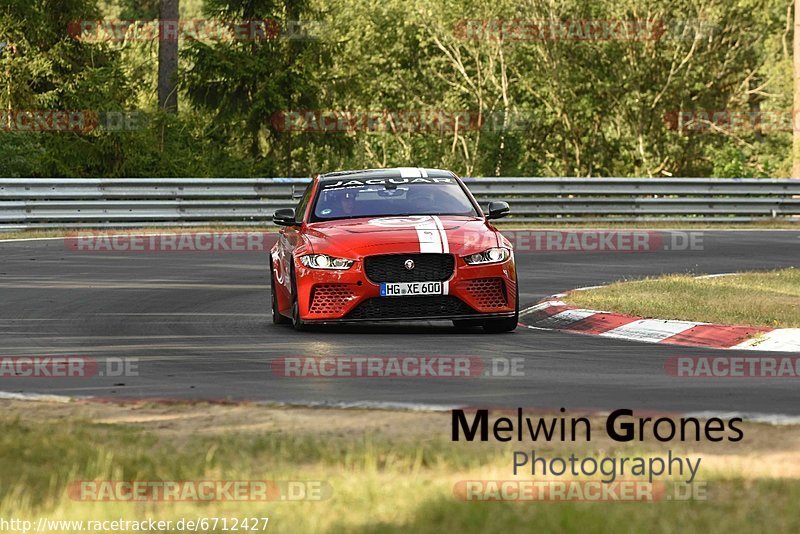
(297, 322)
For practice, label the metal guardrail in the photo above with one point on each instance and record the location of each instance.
(136, 202)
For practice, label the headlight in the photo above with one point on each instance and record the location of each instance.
(493, 255)
(323, 261)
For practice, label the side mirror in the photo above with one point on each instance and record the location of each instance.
(498, 210)
(284, 217)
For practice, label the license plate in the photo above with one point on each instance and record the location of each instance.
(404, 289)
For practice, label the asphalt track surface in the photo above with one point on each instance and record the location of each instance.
(199, 325)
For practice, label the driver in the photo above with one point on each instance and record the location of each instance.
(347, 202)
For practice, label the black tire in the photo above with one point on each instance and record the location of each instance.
(277, 318)
(498, 326)
(297, 322)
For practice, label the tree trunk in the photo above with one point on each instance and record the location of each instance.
(292, 18)
(796, 107)
(168, 55)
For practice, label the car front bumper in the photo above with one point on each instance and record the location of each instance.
(472, 292)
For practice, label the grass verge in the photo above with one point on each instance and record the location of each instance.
(390, 471)
(769, 298)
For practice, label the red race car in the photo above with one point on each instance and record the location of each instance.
(401, 244)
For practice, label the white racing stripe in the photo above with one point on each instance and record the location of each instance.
(445, 248)
(410, 172)
(442, 234)
(430, 241)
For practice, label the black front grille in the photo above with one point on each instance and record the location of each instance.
(427, 267)
(410, 307)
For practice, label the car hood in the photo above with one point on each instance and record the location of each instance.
(356, 238)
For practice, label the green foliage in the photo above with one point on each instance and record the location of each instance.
(582, 107)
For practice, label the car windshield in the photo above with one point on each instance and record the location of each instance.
(352, 198)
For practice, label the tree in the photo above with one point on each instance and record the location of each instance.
(46, 67)
(168, 34)
(266, 69)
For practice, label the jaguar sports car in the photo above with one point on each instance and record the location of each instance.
(403, 244)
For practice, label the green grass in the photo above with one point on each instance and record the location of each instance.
(379, 485)
(754, 298)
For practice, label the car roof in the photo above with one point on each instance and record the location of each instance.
(396, 172)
